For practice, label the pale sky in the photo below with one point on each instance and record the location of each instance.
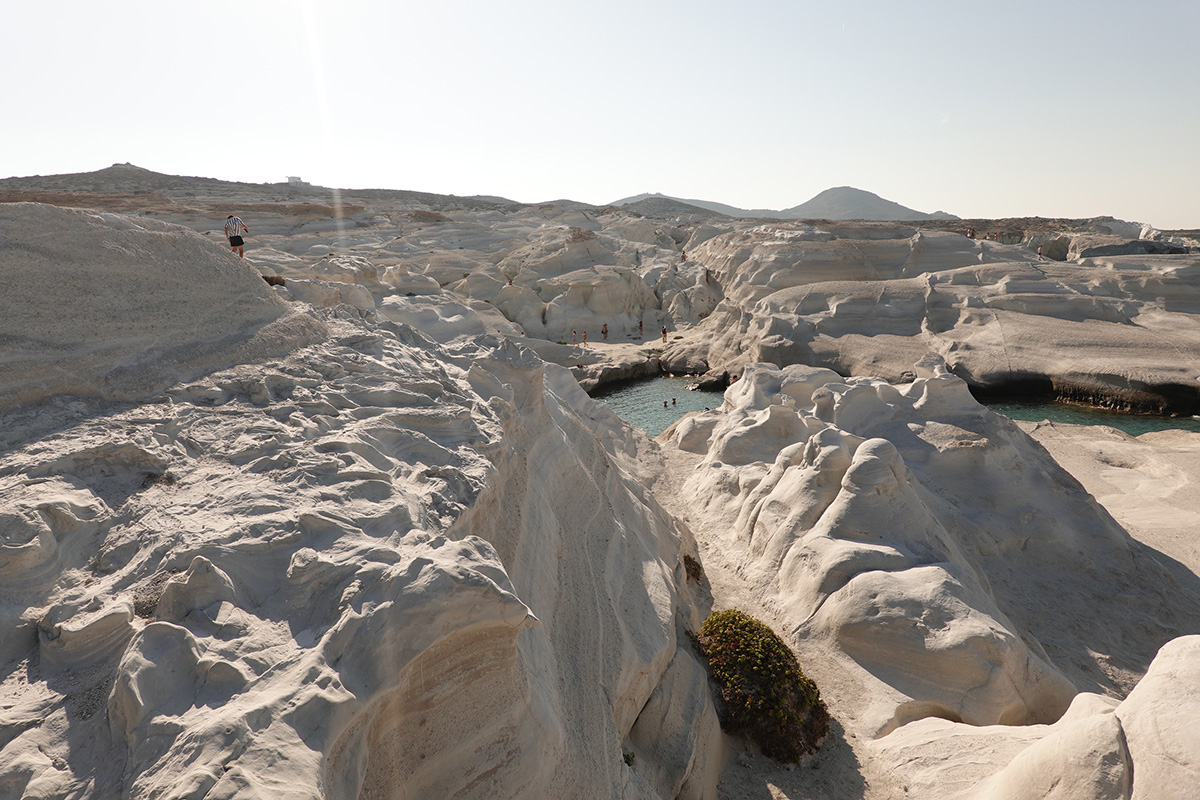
(1024, 108)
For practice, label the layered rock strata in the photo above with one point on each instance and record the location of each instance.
(372, 566)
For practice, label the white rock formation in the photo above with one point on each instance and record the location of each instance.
(931, 541)
(353, 536)
(1143, 747)
(860, 297)
(369, 567)
(162, 305)
(997, 315)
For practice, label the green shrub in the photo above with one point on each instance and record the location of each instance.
(764, 695)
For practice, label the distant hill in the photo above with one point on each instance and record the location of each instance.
(126, 187)
(843, 202)
(657, 205)
(720, 208)
(846, 202)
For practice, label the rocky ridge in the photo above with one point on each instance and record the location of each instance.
(303, 562)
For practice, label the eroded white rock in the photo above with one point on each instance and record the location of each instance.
(906, 525)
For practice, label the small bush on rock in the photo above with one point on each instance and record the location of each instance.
(764, 695)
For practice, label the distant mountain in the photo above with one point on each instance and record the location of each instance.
(657, 205)
(491, 198)
(720, 208)
(846, 202)
(125, 185)
(841, 203)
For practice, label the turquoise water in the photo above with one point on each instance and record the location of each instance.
(1133, 424)
(640, 403)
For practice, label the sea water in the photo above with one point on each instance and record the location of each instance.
(1133, 424)
(640, 403)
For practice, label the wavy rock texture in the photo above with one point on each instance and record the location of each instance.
(922, 535)
(1144, 746)
(354, 534)
(316, 613)
(373, 567)
(994, 312)
(162, 305)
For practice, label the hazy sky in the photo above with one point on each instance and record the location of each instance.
(1050, 108)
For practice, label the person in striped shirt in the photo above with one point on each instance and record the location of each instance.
(234, 228)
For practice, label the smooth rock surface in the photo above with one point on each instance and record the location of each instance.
(363, 534)
(162, 305)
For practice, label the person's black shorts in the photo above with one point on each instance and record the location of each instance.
(236, 241)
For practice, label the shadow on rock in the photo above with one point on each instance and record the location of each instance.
(833, 773)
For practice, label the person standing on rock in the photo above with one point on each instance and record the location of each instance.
(234, 228)
(664, 333)
(604, 331)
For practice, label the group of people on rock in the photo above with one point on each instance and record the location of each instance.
(993, 237)
(604, 334)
